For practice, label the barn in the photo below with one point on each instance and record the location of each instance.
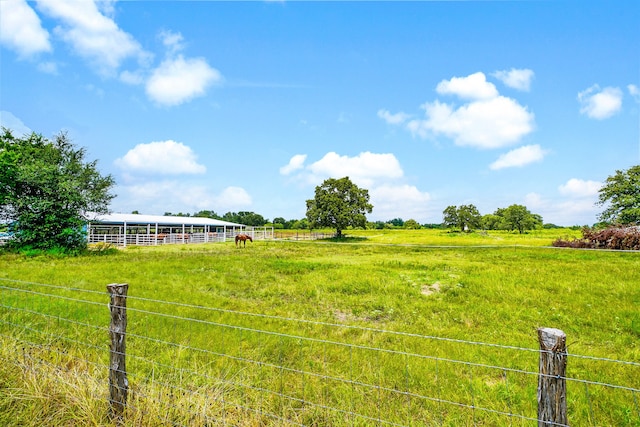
(135, 229)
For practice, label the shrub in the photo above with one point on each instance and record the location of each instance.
(615, 237)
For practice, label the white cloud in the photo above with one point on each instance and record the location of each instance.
(164, 157)
(519, 157)
(600, 104)
(13, 123)
(364, 168)
(178, 80)
(379, 173)
(534, 201)
(93, 35)
(393, 119)
(21, 29)
(563, 211)
(232, 198)
(178, 196)
(515, 78)
(400, 201)
(487, 120)
(174, 42)
(489, 123)
(580, 188)
(474, 86)
(295, 163)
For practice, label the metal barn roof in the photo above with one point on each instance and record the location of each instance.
(120, 218)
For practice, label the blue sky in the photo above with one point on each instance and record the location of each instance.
(247, 106)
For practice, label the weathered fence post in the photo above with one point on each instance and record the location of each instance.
(552, 385)
(118, 383)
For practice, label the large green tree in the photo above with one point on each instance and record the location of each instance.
(46, 188)
(466, 217)
(621, 194)
(518, 217)
(338, 204)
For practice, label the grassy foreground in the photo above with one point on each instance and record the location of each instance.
(399, 281)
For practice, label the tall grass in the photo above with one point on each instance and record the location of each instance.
(494, 294)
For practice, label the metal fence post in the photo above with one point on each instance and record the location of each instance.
(118, 382)
(552, 385)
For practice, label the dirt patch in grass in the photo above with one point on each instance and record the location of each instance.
(430, 289)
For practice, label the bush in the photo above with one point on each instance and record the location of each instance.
(619, 238)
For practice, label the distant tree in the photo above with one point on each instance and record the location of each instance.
(300, 224)
(207, 214)
(46, 188)
(397, 222)
(280, 220)
(247, 218)
(411, 224)
(549, 226)
(518, 217)
(432, 226)
(136, 212)
(465, 217)
(621, 194)
(338, 204)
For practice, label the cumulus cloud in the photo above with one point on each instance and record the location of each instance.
(178, 80)
(89, 29)
(162, 196)
(575, 205)
(519, 157)
(295, 163)
(580, 188)
(163, 157)
(599, 103)
(364, 168)
(400, 201)
(93, 35)
(21, 29)
(485, 120)
(474, 86)
(232, 198)
(393, 119)
(515, 78)
(488, 123)
(379, 173)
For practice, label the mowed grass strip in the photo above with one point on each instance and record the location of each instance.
(264, 370)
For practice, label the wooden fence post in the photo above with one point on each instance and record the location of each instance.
(552, 385)
(118, 382)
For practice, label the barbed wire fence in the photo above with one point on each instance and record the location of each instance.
(192, 365)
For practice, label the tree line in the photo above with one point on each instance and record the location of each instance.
(46, 187)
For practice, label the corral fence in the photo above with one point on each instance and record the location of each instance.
(175, 235)
(302, 235)
(172, 363)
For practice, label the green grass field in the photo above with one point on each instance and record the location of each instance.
(494, 288)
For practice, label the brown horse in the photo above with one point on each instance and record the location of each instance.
(243, 238)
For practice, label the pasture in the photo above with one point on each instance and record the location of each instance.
(475, 299)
